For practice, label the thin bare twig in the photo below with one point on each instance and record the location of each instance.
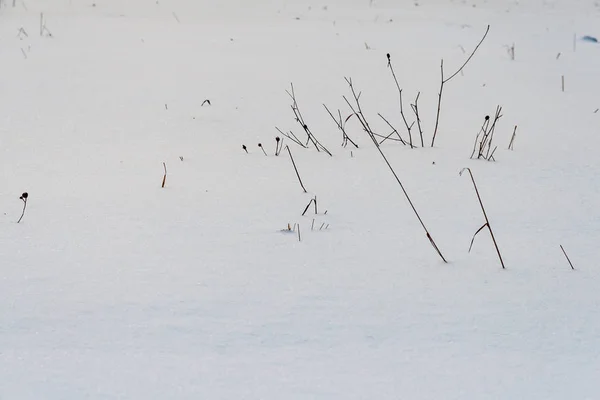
(23, 198)
(307, 206)
(292, 137)
(295, 169)
(415, 108)
(485, 137)
(408, 127)
(367, 128)
(342, 127)
(300, 119)
(567, 257)
(446, 80)
(394, 130)
(512, 139)
(487, 221)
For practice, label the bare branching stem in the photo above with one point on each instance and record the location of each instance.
(408, 127)
(394, 131)
(415, 108)
(487, 221)
(365, 124)
(482, 132)
(446, 80)
(485, 137)
(300, 119)
(292, 137)
(341, 124)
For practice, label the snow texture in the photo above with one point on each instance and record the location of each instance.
(115, 288)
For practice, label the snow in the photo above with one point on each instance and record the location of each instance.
(113, 287)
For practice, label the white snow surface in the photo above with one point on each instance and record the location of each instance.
(112, 287)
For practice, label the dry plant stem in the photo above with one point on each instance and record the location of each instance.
(299, 238)
(344, 126)
(359, 114)
(491, 132)
(307, 206)
(263, 150)
(485, 137)
(292, 137)
(295, 169)
(388, 137)
(361, 118)
(487, 221)
(415, 108)
(300, 119)
(312, 201)
(408, 127)
(394, 130)
(483, 131)
(567, 257)
(23, 212)
(341, 126)
(491, 157)
(512, 139)
(164, 176)
(446, 80)
(473, 238)
(367, 128)
(298, 116)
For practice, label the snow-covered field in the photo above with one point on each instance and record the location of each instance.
(113, 287)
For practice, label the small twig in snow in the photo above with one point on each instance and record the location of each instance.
(567, 257)
(24, 198)
(487, 221)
